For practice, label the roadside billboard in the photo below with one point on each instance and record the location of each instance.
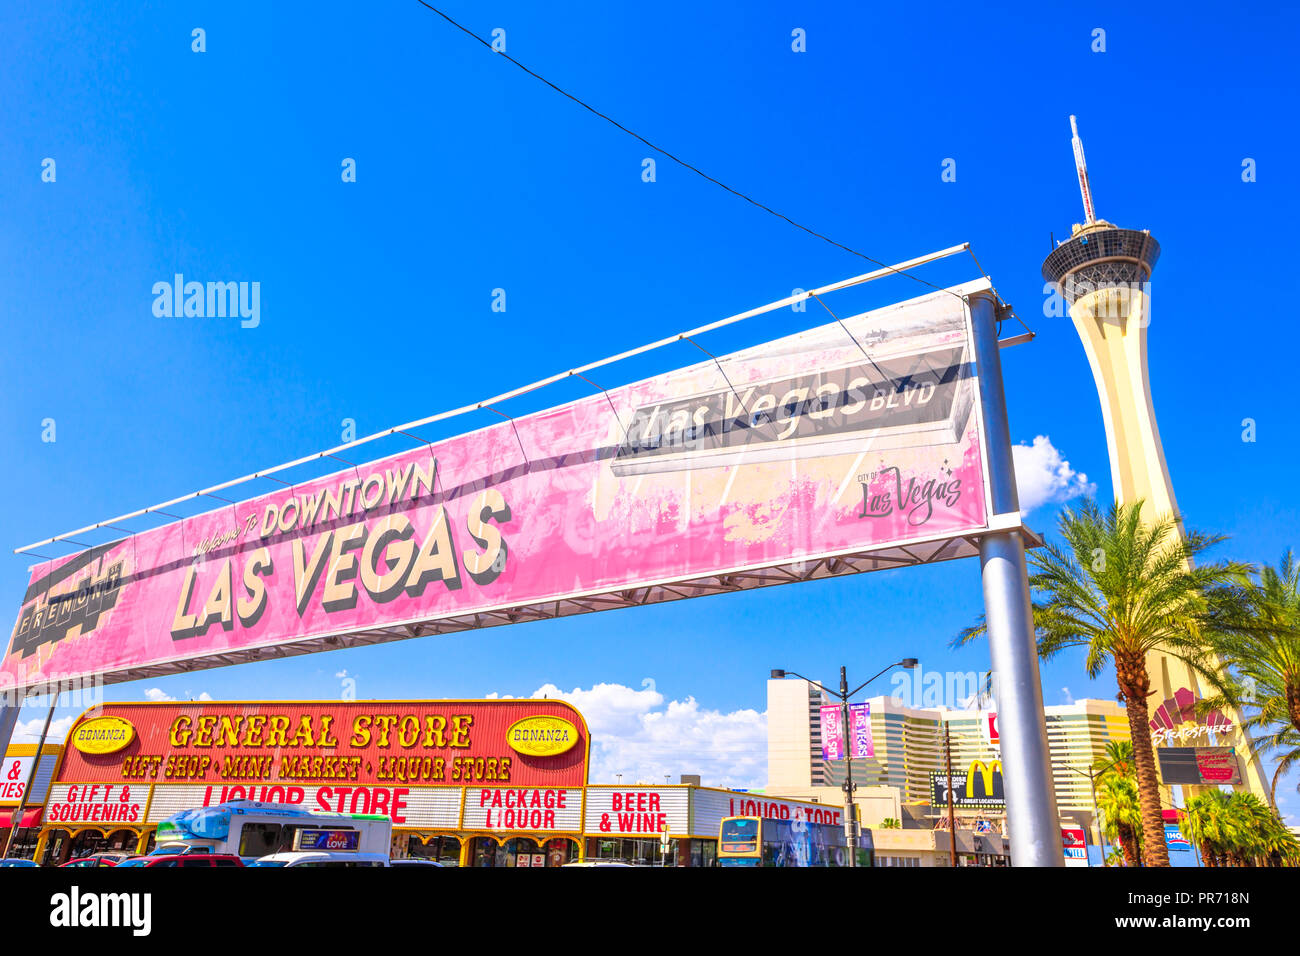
(787, 461)
(1195, 766)
(979, 786)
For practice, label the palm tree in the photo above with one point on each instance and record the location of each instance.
(1261, 652)
(1120, 807)
(1264, 839)
(1205, 822)
(890, 823)
(1117, 757)
(1120, 587)
(1238, 829)
(1277, 844)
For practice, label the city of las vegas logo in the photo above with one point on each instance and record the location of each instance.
(904, 401)
(70, 600)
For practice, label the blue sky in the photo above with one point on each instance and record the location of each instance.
(472, 176)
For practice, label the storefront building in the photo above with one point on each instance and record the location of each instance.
(22, 795)
(467, 783)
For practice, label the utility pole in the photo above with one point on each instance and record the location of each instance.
(1092, 776)
(952, 813)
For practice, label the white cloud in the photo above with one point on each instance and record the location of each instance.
(1069, 698)
(636, 734)
(29, 731)
(1043, 476)
(341, 674)
(157, 694)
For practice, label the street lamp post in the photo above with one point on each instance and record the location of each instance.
(1096, 815)
(851, 818)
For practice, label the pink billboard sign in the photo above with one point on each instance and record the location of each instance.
(829, 444)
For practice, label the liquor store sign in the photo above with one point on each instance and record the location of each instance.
(498, 808)
(640, 812)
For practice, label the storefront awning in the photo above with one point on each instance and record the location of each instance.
(25, 818)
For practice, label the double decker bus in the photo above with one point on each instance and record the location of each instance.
(758, 841)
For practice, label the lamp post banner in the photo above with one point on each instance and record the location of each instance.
(836, 441)
(832, 717)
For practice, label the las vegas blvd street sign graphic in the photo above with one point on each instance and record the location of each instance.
(844, 448)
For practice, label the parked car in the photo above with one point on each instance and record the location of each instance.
(17, 862)
(188, 860)
(412, 861)
(598, 863)
(89, 861)
(322, 858)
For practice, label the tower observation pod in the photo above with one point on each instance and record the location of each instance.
(1103, 274)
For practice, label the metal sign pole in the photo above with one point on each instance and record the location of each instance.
(10, 705)
(31, 779)
(1032, 817)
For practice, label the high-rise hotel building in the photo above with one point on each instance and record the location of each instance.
(909, 745)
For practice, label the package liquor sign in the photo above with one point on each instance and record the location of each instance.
(846, 448)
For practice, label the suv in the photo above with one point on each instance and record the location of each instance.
(187, 860)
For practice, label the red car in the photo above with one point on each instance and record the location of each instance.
(90, 861)
(187, 860)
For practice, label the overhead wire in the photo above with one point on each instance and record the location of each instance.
(676, 159)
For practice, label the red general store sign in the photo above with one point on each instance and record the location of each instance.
(366, 752)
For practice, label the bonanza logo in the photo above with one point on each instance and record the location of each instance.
(541, 736)
(103, 735)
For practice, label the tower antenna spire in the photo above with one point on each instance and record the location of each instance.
(1081, 167)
